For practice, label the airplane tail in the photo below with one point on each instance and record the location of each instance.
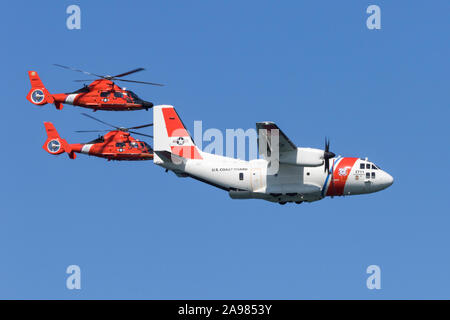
(171, 136)
(54, 144)
(38, 94)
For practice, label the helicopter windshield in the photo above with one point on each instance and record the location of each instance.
(133, 95)
(150, 150)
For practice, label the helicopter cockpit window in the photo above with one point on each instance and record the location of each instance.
(104, 94)
(120, 144)
(133, 95)
(148, 147)
(118, 94)
(134, 144)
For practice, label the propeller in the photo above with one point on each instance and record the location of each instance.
(116, 127)
(108, 77)
(327, 155)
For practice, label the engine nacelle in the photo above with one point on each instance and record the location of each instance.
(307, 157)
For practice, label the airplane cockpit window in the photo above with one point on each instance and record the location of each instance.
(374, 167)
(362, 165)
(367, 165)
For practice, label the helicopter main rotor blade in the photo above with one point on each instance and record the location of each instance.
(90, 80)
(141, 134)
(82, 71)
(78, 131)
(143, 82)
(93, 118)
(143, 126)
(128, 72)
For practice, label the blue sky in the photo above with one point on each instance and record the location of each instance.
(311, 66)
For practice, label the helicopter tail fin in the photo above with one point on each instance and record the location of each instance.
(38, 94)
(54, 143)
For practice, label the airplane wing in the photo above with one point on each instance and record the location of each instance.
(266, 130)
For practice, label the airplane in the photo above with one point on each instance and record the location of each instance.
(114, 145)
(303, 175)
(101, 94)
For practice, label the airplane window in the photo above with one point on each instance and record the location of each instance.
(118, 94)
(373, 175)
(368, 166)
(362, 166)
(374, 167)
(241, 176)
(367, 175)
(104, 94)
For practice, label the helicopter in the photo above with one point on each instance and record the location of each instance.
(100, 94)
(116, 144)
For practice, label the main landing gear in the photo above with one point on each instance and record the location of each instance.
(284, 202)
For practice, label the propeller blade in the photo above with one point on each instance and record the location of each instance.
(91, 131)
(93, 118)
(141, 134)
(143, 82)
(143, 126)
(128, 72)
(327, 155)
(82, 71)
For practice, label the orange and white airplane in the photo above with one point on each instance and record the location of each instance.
(302, 174)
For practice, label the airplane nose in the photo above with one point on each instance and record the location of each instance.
(388, 180)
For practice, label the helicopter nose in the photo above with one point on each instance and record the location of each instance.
(147, 104)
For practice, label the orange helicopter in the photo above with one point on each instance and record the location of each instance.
(114, 145)
(101, 94)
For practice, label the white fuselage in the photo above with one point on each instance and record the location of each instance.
(299, 176)
(292, 183)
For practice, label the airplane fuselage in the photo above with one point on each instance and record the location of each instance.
(288, 174)
(250, 179)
